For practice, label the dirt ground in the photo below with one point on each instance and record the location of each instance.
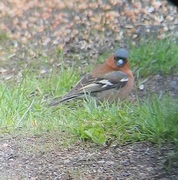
(36, 28)
(45, 157)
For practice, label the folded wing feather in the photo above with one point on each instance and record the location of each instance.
(90, 85)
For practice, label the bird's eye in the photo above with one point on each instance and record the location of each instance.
(120, 62)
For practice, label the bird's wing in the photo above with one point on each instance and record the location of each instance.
(91, 85)
(116, 79)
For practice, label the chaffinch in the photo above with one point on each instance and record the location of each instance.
(110, 81)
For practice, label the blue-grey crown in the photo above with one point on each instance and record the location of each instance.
(122, 52)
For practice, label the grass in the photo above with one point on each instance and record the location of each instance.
(153, 56)
(25, 105)
(152, 120)
(155, 119)
(3, 36)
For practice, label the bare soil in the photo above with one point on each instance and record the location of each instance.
(45, 156)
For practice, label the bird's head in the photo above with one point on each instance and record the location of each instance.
(119, 60)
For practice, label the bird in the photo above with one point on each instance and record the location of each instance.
(111, 81)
